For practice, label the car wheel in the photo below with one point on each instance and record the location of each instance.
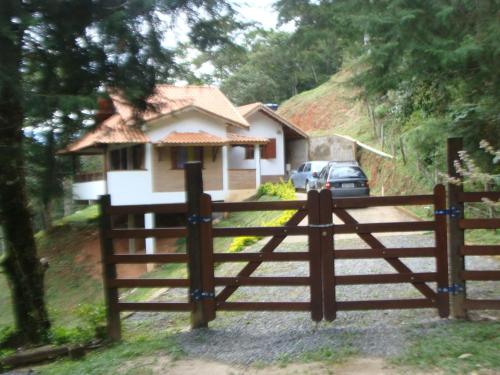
(307, 188)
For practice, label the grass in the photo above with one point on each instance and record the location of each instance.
(67, 281)
(455, 348)
(142, 341)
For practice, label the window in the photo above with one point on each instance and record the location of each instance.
(181, 155)
(127, 158)
(346, 172)
(307, 167)
(269, 149)
(301, 168)
(249, 152)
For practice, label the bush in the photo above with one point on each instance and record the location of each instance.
(282, 190)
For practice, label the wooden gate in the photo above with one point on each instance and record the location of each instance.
(209, 293)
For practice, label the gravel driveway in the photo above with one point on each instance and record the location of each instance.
(262, 337)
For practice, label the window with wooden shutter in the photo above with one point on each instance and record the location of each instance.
(181, 155)
(269, 149)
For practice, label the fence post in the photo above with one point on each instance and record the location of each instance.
(327, 256)
(315, 267)
(108, 270)
(194, 192)
(443, 299)
(455, 233)
(207, 257)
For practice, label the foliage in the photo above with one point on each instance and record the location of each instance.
(92, 323)
(282, 190)
(456, 347)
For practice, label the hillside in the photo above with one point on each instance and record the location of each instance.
(331, 108)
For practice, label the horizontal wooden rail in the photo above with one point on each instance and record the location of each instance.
(262, 281)
(385, 227)
(144, 233)
(410, 252)
(261, 231)
(169, 208)
(385, 278)
(264, 306)
(358, 202)
(148, 283)
(258, 206)
(270, 257)
(385, 304)
(481, 275)
(478, 196)
(479, 223)
(146, 258)
(480, 250)
(482, 304)
(155, 306)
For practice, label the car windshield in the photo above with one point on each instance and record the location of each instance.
(346, 172)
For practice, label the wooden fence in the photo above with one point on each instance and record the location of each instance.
(209, 293)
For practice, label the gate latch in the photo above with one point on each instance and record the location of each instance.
(452, 289)
(199, 295)
(452, 212)
(196, 219)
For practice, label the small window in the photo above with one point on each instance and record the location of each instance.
(307, 168)
(127, 158)
(269, 149)
(301, 168)
(181, 155)
(249, 152)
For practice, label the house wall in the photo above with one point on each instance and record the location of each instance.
(90, 190)
(241, 179)
(185, 122)
(260, 126)
(297, 151)
(332, 148)
(167, 179)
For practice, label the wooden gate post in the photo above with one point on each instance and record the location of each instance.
(207, 257)
(455, 233)
(108, 270)
(327, 258)
(315, 268)
(194, 192)
(443, 297)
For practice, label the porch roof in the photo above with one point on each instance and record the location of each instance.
(205, 139)
(112, 130)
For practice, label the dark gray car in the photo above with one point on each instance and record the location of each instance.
(305, 177)
(344, 180)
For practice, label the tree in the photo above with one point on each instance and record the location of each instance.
(56, 55)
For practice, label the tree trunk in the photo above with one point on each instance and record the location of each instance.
(22, 267)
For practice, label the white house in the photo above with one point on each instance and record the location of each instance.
(240, 148)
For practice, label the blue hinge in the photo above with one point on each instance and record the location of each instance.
(195, 219)
(452, 212)
(199, 295)
(452, 289)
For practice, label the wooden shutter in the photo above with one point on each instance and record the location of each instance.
(269, 150)
(249, 152)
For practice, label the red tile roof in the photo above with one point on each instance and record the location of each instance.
(112, 130)
(249, 109)
(169, 99)
(206, 139)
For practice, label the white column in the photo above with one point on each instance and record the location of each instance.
(149, 223)
(225, 171)
(256, 155)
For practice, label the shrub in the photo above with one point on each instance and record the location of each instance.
(282, 190)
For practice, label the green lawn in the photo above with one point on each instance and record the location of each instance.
(455, 348)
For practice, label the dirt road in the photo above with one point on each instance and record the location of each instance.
(362, 215)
